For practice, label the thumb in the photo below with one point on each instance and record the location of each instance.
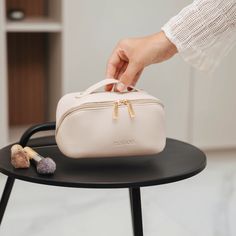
(128, 77)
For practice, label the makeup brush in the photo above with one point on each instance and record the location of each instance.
(19, 158)
(44, 165)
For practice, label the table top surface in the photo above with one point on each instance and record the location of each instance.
(178, 161)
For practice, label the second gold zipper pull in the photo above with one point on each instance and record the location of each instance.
(115, 110)
(130, 109)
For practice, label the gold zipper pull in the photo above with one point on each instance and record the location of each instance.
(115, 110)
(126, 103)
(130, 109)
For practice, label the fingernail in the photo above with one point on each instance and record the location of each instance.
(120, 86)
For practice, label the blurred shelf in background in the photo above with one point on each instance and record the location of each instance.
(30, 63)
(34, 25)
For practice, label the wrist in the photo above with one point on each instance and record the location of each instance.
(170, 46)
(165, 49)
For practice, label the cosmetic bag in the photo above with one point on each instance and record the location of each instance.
(106, 124)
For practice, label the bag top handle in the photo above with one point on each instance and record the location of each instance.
(103, 83)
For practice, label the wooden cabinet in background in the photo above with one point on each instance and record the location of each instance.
(26, 67)
(30, 65)
(26, 78)
(35, 8)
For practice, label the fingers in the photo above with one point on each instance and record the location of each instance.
(121, 72)
(123, 67)
(113, 65)
(129, 76)
(127, 72)
(135, 80)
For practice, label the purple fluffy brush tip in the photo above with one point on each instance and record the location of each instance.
(43, 165)
(46, 166)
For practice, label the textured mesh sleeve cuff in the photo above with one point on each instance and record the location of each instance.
(204, 32)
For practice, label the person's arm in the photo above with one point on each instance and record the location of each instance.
(202, 33)
(130, 56)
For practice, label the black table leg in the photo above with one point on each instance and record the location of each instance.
(5, 196)
(136, 211)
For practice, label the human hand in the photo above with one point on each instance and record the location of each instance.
(132, 55)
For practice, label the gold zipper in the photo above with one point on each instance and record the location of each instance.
(107, 104)
(123, 102)
(115, 110)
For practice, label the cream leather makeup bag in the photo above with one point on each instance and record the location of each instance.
(105, 124)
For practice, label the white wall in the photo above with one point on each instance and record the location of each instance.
(214, 118)
(91, 30)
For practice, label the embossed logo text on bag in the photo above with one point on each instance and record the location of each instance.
(124, 142)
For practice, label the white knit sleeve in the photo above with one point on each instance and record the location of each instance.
(204, 32)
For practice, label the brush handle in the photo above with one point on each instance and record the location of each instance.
(37, 158)
(32, 154)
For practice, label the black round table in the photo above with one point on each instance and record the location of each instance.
(178, 161)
